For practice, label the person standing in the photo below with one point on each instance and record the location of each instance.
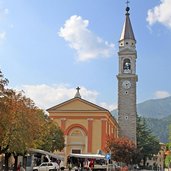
(19, 166)
(91, 165)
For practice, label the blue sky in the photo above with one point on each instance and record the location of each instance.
(49, 47)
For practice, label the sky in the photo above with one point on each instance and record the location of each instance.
(50, 47)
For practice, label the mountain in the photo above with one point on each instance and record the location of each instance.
(160, 127)
(155, 108)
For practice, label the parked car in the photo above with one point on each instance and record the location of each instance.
(47, 166)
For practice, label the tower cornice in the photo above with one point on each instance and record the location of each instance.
(128, 76)
(127, 51)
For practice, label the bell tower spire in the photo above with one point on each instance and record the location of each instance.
(127, 31)
(127, 79)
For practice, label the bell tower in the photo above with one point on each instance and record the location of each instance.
(127, 79)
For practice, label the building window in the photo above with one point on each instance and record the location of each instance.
(126, 117)
(126, 65)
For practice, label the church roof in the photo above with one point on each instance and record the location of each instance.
(127, 31)
(78, 104)
(83, 106)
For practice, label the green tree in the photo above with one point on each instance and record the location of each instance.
(170, 132)
(168, 155)
(147, 144)
(53, 138)
(168, 161)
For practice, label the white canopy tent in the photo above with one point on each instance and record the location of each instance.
(33, 150)
(91, 156)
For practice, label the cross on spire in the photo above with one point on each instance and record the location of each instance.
(127, 2)
(78, 88)
(78, 92)
(127, 7)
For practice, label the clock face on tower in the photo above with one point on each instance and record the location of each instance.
(126, 84)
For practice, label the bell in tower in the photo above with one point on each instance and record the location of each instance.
(127, 66)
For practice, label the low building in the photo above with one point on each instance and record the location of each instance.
(157, 161)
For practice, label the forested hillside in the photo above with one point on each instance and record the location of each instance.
(159, 127)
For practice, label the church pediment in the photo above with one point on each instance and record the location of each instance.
(76, 104)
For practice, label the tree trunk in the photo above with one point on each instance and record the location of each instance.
(16, 162)
(144, 161)
(7, 155)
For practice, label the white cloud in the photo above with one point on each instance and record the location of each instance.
(87, 45)
(161, 94)
(46, 96)
(2, 36)
(160, 14)
(110, 107)
(3, 12)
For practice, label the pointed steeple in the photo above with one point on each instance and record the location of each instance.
(127, 31)
(78, 93)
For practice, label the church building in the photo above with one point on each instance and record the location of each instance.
(86, 126)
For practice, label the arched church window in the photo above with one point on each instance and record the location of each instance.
(127, 66)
